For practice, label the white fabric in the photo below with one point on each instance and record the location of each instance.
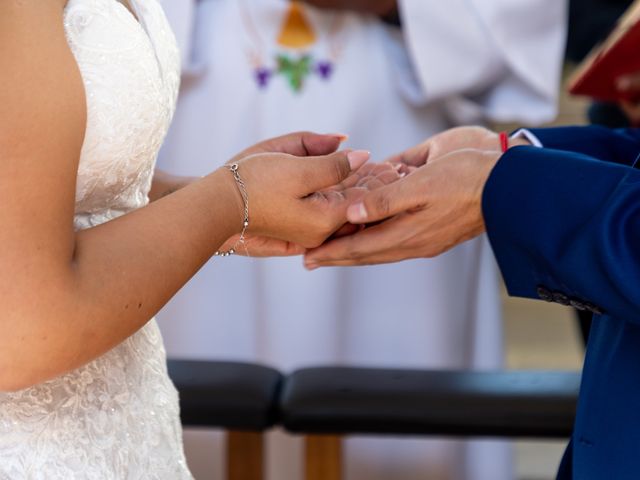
(497, 60)
(117, 417)
(389, 91)
(529, 136)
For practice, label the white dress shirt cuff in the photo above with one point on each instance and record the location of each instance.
(527, 135)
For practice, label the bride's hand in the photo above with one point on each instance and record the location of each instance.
(353, 188)
(285, 195)
(300, 144)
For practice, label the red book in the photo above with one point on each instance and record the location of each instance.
(617, 56)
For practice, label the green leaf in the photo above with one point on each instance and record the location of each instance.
(296, 71)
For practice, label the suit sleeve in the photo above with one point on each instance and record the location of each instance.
(618, 146)
(564, 222)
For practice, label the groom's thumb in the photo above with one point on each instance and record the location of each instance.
(386, 202)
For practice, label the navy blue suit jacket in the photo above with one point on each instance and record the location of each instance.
(564, 224)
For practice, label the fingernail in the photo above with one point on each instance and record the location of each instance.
(357, 212)
(623, 83)
(310, 266)
(343, 137)
(357, 158)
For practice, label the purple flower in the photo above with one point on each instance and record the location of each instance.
(324, 69)
(263, 75)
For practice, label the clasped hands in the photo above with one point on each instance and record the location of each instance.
(417, 204)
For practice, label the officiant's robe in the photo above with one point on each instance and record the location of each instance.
(253, 70)
(564, 222)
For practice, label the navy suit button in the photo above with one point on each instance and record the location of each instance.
(561, 298)
(545, 294)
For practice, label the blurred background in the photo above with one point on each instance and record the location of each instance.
(390, 78)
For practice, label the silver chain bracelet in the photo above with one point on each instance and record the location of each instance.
(245, 224)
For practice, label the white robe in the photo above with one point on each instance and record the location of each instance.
(455, 62)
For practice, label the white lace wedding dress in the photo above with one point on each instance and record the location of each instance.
(118, 416)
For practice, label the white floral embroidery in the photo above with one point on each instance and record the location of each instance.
(118, 416)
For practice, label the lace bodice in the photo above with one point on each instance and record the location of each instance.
(131, 76)
(117, 417)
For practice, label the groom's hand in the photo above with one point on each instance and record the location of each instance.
(431, 210)
(449, 141)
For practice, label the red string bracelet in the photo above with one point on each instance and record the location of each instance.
(504, 141)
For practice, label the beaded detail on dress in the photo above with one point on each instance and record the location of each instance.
(118, 416)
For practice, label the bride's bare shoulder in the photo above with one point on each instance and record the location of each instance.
(15, 14)
(23, 6)
(41, 87)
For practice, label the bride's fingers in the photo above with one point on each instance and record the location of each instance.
(302, 144)
(389, 200)
(370, 184)
(319, 173)
(370, 171)
(316, 145)
(365, 172)
(415, 157)
(269, 247)
(384, 178)
(349, 182)
(344, 231)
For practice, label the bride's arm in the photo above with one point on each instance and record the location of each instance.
(165, 184)
(67, 297)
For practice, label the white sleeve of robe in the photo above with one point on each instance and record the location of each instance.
(488, 60)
